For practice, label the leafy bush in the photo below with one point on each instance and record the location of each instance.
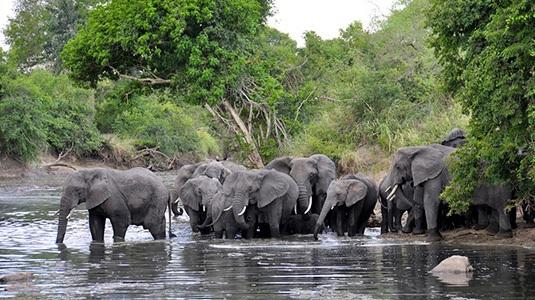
(40, 112)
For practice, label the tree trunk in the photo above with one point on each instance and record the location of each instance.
(241, 128)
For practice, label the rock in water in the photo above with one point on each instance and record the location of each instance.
(454, 264)
(17, 277)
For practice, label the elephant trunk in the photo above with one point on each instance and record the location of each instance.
(239, 205)
(174, 207)
(65, 211)
(304, 200)
(319, 223)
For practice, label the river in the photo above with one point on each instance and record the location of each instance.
(199, 267)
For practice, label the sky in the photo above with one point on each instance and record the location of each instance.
(294, 17)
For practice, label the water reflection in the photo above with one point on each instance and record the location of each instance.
(198, 267)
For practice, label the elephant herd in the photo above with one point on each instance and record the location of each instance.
(287, 196)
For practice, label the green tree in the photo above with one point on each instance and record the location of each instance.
(40, 29)
(202, 49)
(486, 48)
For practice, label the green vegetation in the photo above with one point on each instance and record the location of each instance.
(486, 48)
(172, 80)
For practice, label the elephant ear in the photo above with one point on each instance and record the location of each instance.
(281, 164)
(356, 191)
(98, 188)
(326, 172)
(228, 186)
(427, 163)
(189, 194)
(274, 185)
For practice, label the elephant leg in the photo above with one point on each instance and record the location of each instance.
(431, 191)
(352, 220)
(386, 216)
(482, 217)
(409, 223)
(96, 225)
(339, 221)
(505, 230)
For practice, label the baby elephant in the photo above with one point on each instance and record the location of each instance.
(352, 199)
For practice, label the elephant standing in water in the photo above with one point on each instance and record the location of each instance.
(197, 194)
(212, 169)
(394, 203)
(255, 197)
(132, 197)
(352, 199)
(312, 175)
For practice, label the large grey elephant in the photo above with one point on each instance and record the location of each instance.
(212, 169)
(312, 175)
(132, 197)
(197, 194)
(352, 199)
(258, 196)
(426, 168)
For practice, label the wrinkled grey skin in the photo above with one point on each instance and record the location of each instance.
(425, 167)
(267, 196)
(392, 210)
(312, 175)
(212, 169)
(133, 197)
(352, 199)
(197, 194)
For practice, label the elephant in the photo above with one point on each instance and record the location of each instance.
(455, 138)
(212, 169)
(394, 204)
(425, 167)
(312, 175)
(197, 194)
(132, 197)
(254, 197)
(352, 199)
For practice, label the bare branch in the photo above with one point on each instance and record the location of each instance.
(148, 81)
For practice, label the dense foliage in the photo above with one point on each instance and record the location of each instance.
(42, 111)
(486, 48)
(209, 78)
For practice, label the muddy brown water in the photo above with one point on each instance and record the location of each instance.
(200, 267)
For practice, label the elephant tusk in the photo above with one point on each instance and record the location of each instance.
(203, 208)
(242, 211)
(309, 205)
(228, 208)
(295, 209)
(392, 194)
(70, 213)
(57, 213)
(332, 207)
(388, 189)
(177, 199)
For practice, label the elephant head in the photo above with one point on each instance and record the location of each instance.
(89, 186)
(212, 169)
(344, 192)
(418, 164)
(258, 187)
(312, 175)
(197, 194)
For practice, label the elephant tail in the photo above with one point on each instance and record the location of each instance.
(169, 204)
